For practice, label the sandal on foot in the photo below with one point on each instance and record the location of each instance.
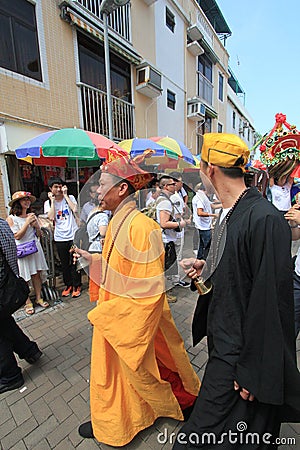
(42, 303)
(29, 309)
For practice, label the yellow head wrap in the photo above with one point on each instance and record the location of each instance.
(224, 150)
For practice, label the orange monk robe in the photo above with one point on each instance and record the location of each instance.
(133, 331)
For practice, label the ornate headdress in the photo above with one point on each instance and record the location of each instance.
(281, 145)
(120, 164)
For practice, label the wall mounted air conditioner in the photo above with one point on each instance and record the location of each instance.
(195, 111)
(148, 81)
(194, 33)
(195, 49)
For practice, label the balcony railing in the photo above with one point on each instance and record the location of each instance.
(94, 107)
(205, 89)
(205, 27)
(119, 20)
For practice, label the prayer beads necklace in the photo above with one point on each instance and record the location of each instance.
(216, 247)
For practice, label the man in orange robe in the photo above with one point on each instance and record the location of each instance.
(139, 368)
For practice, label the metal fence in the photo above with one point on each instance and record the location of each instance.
(119, 20)
(94, 107)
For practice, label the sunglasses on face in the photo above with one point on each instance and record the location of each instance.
(171, 184)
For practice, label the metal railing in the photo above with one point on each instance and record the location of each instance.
(94, 108)
(119, 20)
(205, 88)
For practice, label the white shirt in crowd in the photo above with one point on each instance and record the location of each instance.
(200, 200)
(65, 223)
(179, 206)
(281, 196)
(168, 235)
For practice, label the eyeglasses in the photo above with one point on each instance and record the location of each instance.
(171, 184)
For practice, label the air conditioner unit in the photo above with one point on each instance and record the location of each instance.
(194, 33)
(195, 111)
(148, 81)
(194, 48)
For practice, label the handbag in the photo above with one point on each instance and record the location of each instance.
(14, 292)
(26, 249)
(170, 258)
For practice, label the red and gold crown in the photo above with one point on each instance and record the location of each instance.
(280, 144)
(120, 164)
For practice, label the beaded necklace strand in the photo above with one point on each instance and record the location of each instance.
(221, 229)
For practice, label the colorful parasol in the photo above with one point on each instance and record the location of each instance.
(67, 142)
(79, 147)
(137, 146)
(175, 149)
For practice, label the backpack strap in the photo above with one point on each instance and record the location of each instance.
(93, 215)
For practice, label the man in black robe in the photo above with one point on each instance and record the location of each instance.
(251, 383)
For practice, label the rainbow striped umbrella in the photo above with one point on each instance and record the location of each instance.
(77, 146)
(137, 146)
(175, 149)
(68, 143)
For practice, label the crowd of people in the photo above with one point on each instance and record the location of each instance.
(251, 316)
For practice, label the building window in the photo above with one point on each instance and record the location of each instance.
(92, 69)
(205, 75)
(248, 134)
(220, 128)
(18, 38)
(171, 99)
(170, 20)
(221, 87)
(233, 119)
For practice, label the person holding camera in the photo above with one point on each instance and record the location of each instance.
(166, 217)
(62, 208)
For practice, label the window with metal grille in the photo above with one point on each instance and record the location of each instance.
(221, 87)
(170, 20)
(19, 38)
(171, 99)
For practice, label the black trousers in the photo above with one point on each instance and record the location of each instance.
(13, 340)
(221, 419)
(70, 275)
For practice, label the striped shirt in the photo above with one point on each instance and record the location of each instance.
(8, 249)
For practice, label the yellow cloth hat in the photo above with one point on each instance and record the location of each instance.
(224, 150)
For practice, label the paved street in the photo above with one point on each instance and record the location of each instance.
(46, 411)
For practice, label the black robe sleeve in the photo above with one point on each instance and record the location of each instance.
(266, 365)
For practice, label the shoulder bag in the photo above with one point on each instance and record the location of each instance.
(14, 292)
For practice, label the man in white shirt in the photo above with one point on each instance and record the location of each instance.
(179, 206)
(61, 208)
(202, 217)
(90, 205)
(165, 213)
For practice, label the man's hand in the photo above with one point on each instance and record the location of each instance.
(192, 267)
(293, 214)
(78, 252)
(51, 196)
(243, 392)
(64, 190)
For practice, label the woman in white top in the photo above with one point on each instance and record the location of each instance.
(97, 222)
(281, 192)
(25, 226)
